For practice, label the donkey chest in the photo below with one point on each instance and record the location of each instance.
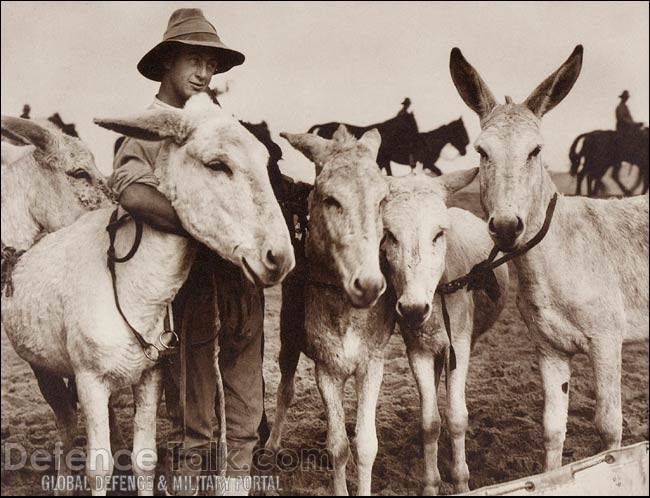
(342, 346)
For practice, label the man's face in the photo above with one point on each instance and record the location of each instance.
(190, 70)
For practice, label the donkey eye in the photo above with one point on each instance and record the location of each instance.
(219, 166)
(482, 152)
(438, 235)
(534, 152)
(81, 174)
(332, 202)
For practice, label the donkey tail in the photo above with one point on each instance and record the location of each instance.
(574, 155)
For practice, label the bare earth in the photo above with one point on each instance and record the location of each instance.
(504, 395)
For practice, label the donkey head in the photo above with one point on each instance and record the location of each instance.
(216, 180)
(345, 209)
(511, 172)
(416, 223)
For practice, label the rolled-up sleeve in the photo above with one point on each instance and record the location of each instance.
(132, 164)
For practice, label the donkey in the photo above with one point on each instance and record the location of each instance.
(425, 244)
(584, 288)
(63, 315)
(348, 317)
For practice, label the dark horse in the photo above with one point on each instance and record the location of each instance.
(398, 138)
(429, 145)
(605, 149)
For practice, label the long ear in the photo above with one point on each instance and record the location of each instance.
(12, 153)
(554, 88)
(316, 149)
(456, 180)
(470, 85)
(372, 140)
(151, 125)
(28, 130)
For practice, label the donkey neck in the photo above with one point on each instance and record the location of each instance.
(149, 281)
(536, 261)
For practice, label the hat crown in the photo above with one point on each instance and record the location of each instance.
(188, 21)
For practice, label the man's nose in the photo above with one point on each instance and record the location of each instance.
(202, 70)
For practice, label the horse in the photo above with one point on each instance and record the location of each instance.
(584, 287)
(604, 149)
(429, 144)
(398, 138)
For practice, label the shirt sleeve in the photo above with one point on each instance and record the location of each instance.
(132, 164)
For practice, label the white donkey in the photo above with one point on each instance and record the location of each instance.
(63, 316)
(584, 288)
(426, 244)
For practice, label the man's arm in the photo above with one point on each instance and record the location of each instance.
(147, 204)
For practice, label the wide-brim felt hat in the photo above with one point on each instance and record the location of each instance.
(625, 94)
(188, 27)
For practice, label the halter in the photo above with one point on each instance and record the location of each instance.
(481, 276)
(167, 341)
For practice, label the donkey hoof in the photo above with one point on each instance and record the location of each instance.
(430, 491)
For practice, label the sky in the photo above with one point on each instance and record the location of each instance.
(314, 62)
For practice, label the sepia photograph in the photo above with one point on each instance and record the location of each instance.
(325, 248)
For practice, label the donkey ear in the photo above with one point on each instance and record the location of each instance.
(372, 140)
(316, 149)
(470, 85)
(341, 134)
(554, 88)
(25, 130)
(456, 180)
(12, 153)
(151, 125)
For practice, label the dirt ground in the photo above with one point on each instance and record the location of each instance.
(504, 396)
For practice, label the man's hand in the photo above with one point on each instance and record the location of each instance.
(147, 204)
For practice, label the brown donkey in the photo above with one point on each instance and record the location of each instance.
(348, 318)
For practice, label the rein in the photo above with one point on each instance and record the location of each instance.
(10, 257)
(167, 340)
(481, 276)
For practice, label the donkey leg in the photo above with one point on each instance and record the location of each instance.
(289, 357)
(64, 406)
(94, 394)
(457, 411)
(555, 368)
(606, 362)
(424, 371)
(146, 396)
(331, 390)
(368, 385)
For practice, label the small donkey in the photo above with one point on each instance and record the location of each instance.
(425, 244)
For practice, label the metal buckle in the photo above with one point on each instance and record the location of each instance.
(171, 343)
(152, 353)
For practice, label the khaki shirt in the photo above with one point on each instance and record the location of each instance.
(136, 159)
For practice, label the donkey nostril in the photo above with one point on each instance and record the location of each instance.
(491, 226)
(520, 225)
(271, 258)
(357, 286)
(399, 309)
(427, 308)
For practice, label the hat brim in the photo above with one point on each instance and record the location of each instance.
(151, 65)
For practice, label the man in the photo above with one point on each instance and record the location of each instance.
(406, 103)
(184, 62)
(624, 121)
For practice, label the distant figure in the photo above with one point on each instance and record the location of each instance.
(624, 121)
(405, 106)
(26, 111)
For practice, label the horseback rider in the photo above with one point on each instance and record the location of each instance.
(406, 103)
